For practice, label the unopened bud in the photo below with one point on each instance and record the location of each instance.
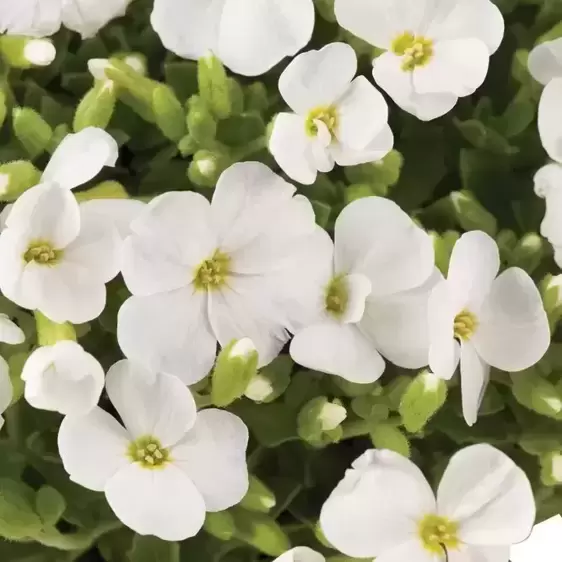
(331, 416)
(31, 130)
(96, 107)
(17, 177)
(25, 52)
(206, 168)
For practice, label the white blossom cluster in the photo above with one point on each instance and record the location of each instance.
(253, 263)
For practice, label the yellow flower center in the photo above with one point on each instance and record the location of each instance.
(465, 324)
(414, 50)
(336, 296)
(148, 452)
(438, 533)
(327, 115)
(42, 253)
(212, 273)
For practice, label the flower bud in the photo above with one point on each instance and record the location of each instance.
(319, 421)
(168, 113)
(31, 130)
(17, 177)
(206, 168)
(551, 468)
(471, 215)
(96, 107)
(25, 52)
(214, 88)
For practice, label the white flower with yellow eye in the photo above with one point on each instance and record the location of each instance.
(167, 465)
(202, 273)
(480, 319)
(436, 50)
(337, 118)
(248, 36)
(385, 508)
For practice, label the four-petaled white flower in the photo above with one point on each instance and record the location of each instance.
(168, 465)
(301, 554)
(481, 319)
(545, 65)
(202, 273)
(249, 36)
(337, 118)
(436, 51)
(41, 18)
(57, 255)
(385, 508)
(63, 378)
(370, 298)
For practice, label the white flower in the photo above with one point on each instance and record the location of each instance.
(40, 18)
(337, 118)
(548, 185)
(168, 465)
(544, 544)
(371, 296)
(63, 378)
(6, 390)
(202, 273)
(248, 36)
(435, 53)
(10, 332)
(56, 257)
(385, 508)
(545, 64)
(481, 320)
(301, 554)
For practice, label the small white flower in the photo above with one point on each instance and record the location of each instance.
(63, 378)
(201, 273)
(370, 298)
(337, 118)
(385, 508)
(548, 185)
(6, 390)
(56, 257)
(480, 319)
(545, 64)
(248, 36)
(41, 18)
(544, 544)
(435, 53)
(168, 465)
(301, 554)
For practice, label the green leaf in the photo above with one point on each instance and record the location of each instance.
(18, 518)
(3, 107)
(151, 549)
(322, 212)
(260, 531)
(471, 215)
(50, 505)
(182, 77)
(423, 398)
(240, 130)
(387, 436)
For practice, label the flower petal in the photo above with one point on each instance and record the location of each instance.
(291, 148)
(475, 374)
(213, 455)
(337, 349)
(411, 550)
(10, 332)
(479, 554)
(318, 78)
(362, 113)
(6, 390)
(32, 18)
(513, 333)
(150, 404)
(81, 156)
(545, 61)
(93, 448)
(301, 554)
(365, 517)
(550, 119)
(255, 35)
(376, 150)
(373, 236)
(168, 333)
(87, 17)
(458, 66)
(119, 213)
(474, 264)
(489, 495)
(163, 503)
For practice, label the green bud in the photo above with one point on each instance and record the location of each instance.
(3, 107)
(506, 241)
(260, 531)
(551, 468)
(385, 172)
(236, 365)
(206, 168)
(17, 177)
(49, 332)
(213, 86)
(96, 107)
(443, 245)
(104, 190)
(50, 505)
(256, 97)
(201, 124)
(471, 215)
(188, 146)
(319, 421)
(31, 130)
(271, 381)
(258, 497)
(536, 393)
(528, 253)
(26, 52)
(220, 524)
(388, 436)
(422, 400)
(236, 94)
(168, 112)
